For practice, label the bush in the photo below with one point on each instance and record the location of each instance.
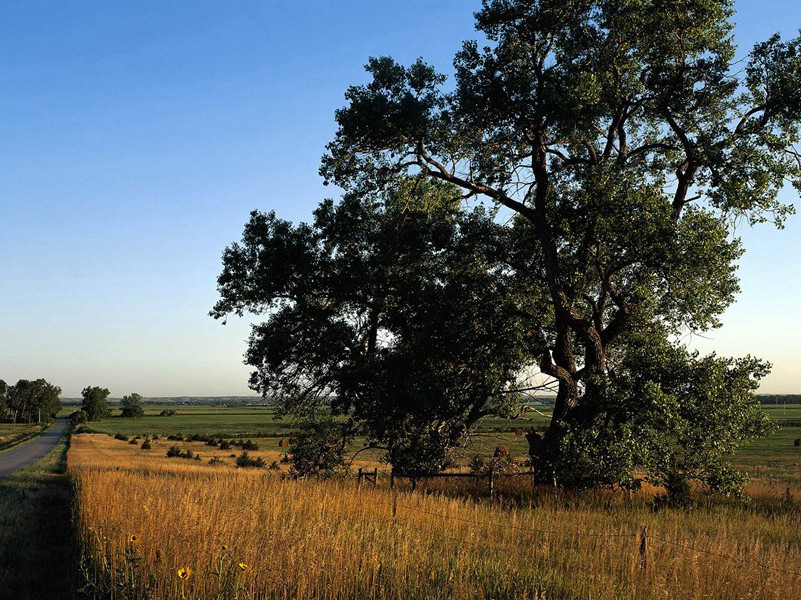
(216, 461)
(225, 445)
(173, 452)
(79, 417)
(133, 441)
(250, 445)
(146, 444)
(477, 465)
(119, 436)
(245, 460)
(212, 442)
(167, 413)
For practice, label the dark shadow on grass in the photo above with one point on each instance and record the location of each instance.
(35, 543)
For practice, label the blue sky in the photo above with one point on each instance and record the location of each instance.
(136, 137)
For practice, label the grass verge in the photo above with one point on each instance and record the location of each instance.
(35, 543)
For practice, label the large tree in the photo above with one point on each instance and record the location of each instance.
(95, 403)
(397, 315)
(625, 140)
(132, 406)
(33, 400)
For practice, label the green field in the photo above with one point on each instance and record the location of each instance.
(773, 460)
(252, 421)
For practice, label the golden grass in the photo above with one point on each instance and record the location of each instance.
(312, 539)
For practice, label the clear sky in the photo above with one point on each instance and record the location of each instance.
(135, 137)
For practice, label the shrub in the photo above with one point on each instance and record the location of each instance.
(167, 413)
(146, 444)
(212, 442)
(173, 452)
(245, 460)
(133, 441)
(119, 436)
(216, 460)
(225, 445)
(477, 465)
(274, 466)
(79, 417)
(250, 445)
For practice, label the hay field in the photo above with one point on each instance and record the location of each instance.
(152, 527)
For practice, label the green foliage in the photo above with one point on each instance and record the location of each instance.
(625, 143)
(28, 401)
(146, 445)
(95, 403)
(396, 313)
(132, 406)
(119, 436)
(319, 448)
(245, 460)
(249, 445)
(78, 417)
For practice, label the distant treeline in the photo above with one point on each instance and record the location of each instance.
(259, 401)
(779, 398)
(189, 401)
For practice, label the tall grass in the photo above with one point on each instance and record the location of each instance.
(142, 518)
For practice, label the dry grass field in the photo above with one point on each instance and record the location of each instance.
(152, 527)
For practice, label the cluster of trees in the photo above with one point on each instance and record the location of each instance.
(566, 209)
(95, 405)
(29, 401)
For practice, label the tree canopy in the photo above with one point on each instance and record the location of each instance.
(132, 406)
(95, 403)
(619, 142)
(28, 401)
(396, 314)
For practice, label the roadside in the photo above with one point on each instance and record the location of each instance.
(11, 442)
(25, 454)
(35, 543)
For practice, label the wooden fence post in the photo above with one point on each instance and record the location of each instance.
(644, 548)
(491, 484)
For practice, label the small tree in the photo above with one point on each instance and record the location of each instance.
(95, 403)
(319, 448)
(132, 406)
(79, 417)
